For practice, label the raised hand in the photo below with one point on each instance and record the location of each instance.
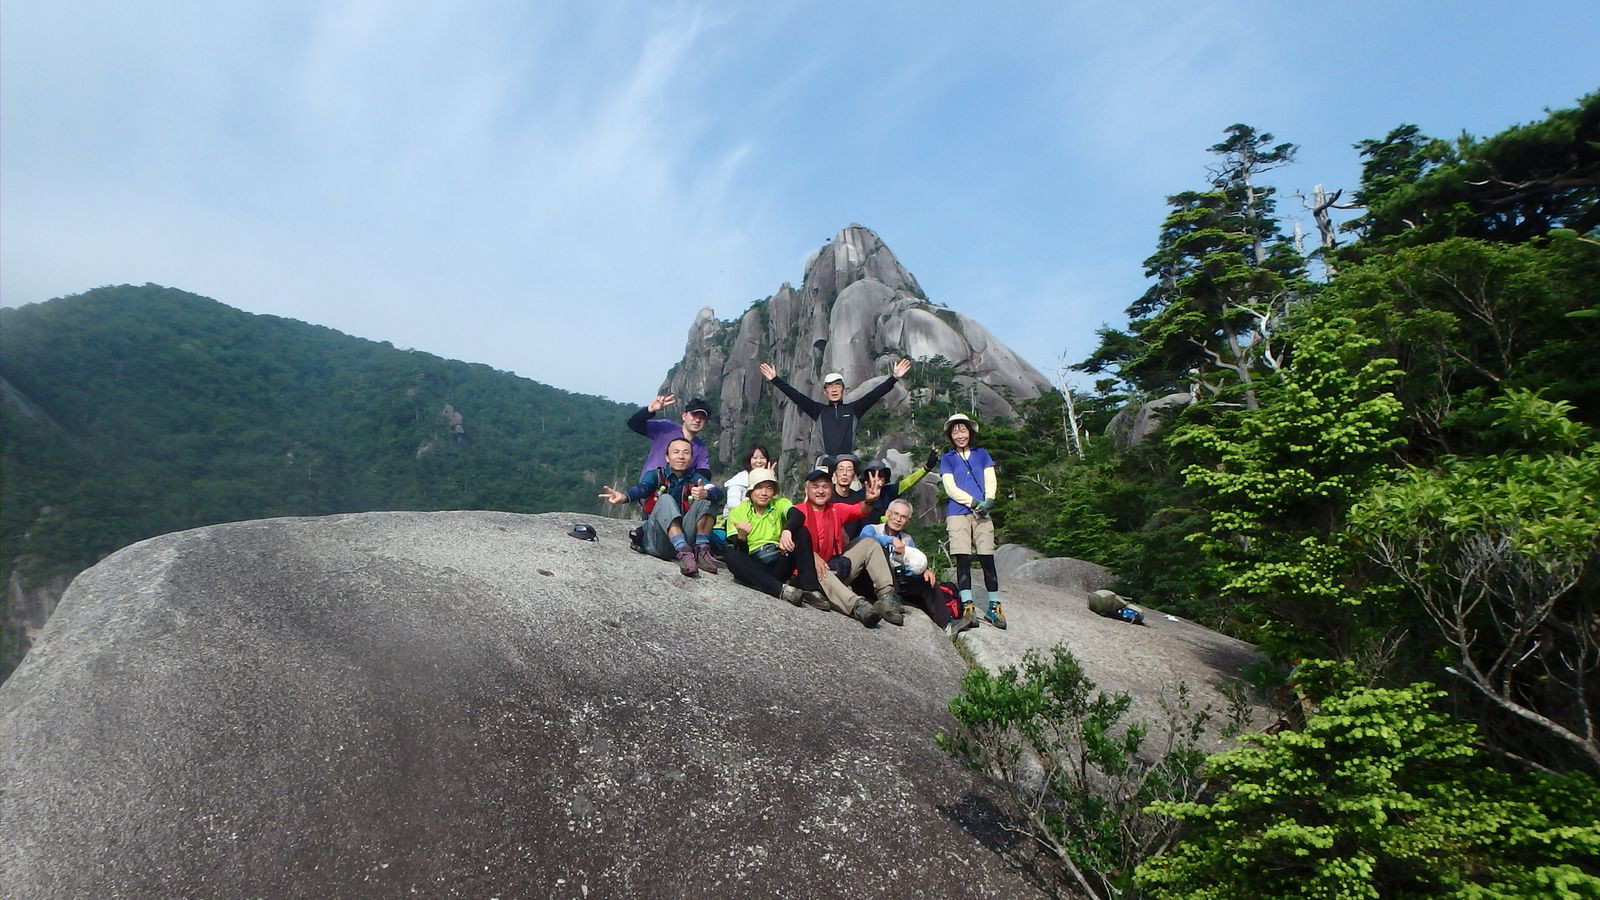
(660, 401)
(768, 372)
(612, 495)
(901, 368)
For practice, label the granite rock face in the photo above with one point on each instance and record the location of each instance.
(856, 310)
(1136, 424)
(475, 705)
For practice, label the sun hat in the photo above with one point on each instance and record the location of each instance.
(959, 419)
(758, 477)
(916, 562)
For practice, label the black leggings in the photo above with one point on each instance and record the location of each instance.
(768, 578)
(991, 578)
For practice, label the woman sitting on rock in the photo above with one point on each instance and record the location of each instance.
(967, 473)
(753, 554)
(735, 489)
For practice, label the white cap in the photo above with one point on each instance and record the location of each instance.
(916, 562)
(831, 377)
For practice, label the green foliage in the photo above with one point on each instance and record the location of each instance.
(1087, 805)
(1501, 552)
(154, 410)
(1379, 796)
(1277, 484)
(1511, 187)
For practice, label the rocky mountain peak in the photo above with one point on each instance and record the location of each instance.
(856, 310)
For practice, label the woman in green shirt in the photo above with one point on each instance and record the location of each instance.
(754, 527)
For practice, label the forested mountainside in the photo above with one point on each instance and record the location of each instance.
(135, 411)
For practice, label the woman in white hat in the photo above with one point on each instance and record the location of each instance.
(753, 554)
(967, 473)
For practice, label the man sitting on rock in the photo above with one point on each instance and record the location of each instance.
(662, 431)
(677, 499)
(836, 418)
(912, 577)
(814, 533)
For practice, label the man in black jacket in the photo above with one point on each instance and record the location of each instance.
(836, 418)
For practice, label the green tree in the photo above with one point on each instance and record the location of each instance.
(1223, 274)
(1379, 796)
(1502, 552)
(1277, 484)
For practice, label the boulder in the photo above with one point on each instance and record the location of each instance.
(1134, 425)
(1073, 575)
(475, 704)
(1009, 557)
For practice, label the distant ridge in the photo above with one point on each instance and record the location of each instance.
(133, 411)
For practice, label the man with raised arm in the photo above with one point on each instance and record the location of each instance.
(678, 524)
(663, 431)
(836, 418)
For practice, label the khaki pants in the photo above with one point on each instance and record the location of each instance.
(867, 554)
(968, 532)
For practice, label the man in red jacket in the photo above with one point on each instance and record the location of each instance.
(815, 535)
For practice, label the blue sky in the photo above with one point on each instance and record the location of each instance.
(556, 188)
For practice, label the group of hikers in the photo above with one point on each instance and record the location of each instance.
(846, 540)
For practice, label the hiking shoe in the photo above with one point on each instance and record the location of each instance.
(996, 616)
(891, 610)
(636, 539)
(816, 600)
(704, 559)
(686, 563)
(968, 611)
(956, 626)
(863, 612)
(792, 594)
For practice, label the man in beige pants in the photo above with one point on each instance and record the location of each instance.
(814, 533)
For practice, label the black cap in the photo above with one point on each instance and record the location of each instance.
(818, 472)
(698, 406)
(584, 533)
(876, 464)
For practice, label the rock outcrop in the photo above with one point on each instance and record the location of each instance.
(1135, 424)
(476, 704)
(856, 310)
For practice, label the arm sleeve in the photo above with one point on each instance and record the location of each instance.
(990, 483)
(646, 485)
(637, 420)
(807, 405)
(911, 480)
(953, 492)
(795, 520)
(873, 396)
(872, 531)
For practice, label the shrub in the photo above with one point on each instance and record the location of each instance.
(1079, 779)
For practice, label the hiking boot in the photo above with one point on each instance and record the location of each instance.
(863, 612)
(956, 626)
(996, 616)
(704, 559)
(636, 539)
(890, 608)
(686, 563)
(816, 600)
(792, 594)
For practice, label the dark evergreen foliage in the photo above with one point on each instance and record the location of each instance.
(155, 410)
